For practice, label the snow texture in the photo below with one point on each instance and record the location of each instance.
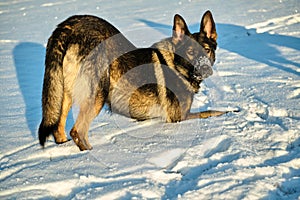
(252, 154)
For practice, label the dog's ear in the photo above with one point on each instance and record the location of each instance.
(208, 27)
(179, 29)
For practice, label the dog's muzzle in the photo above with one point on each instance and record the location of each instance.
(202, 68)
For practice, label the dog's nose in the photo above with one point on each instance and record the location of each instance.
(202, 67)
(203, 71)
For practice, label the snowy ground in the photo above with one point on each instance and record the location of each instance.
(253, 154)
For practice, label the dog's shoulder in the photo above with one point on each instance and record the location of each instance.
(164, 50)
(165, 45)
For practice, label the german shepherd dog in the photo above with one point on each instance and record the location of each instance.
(90, 63)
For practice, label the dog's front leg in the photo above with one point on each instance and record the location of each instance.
(206, 114)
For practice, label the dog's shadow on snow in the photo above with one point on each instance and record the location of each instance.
(29, 60)
(246, 42)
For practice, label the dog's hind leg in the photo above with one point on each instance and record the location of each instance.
(59, 134)
(89, 109)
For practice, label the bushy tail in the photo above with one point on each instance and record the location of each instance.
(52, 95)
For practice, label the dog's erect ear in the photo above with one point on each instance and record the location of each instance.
(179, 29)
(208, 26)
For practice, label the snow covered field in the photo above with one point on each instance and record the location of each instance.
(253, 154)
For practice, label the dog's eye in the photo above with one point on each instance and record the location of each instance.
(207, 50)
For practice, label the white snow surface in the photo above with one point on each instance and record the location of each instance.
(251, 154)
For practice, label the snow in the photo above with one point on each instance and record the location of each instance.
(251, 154)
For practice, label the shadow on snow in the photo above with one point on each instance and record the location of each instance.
(29, 63)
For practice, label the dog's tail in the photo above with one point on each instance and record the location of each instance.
(52, 96)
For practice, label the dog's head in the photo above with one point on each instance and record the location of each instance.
(195, 52)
